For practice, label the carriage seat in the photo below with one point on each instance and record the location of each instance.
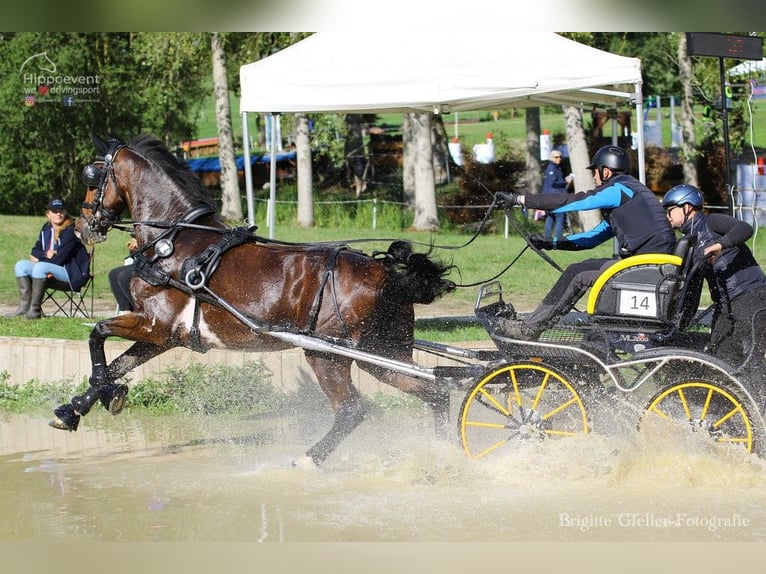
(648, 291)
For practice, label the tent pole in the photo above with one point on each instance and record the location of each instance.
(246, 166)
(273, 176)
(640, 133)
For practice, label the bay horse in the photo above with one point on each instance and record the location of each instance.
(200, 284)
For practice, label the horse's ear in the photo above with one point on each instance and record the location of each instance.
(101, 145)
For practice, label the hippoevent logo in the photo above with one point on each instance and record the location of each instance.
(44, 83)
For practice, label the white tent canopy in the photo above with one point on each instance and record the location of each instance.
(429, 71)
(748, 67)
(341, 72)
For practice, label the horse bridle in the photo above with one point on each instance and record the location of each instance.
(108, 217)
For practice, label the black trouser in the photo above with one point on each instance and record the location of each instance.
(119, 282)
(570, 287)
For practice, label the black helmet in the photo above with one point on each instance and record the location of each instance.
(91, 175)
(681, 195)
(613, 157)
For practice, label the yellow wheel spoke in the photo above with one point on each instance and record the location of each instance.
(682, 397)
(490, 448)
(560, 408)
(516, 392)
(561, 432)
(492, 400)
(484, 425)
(711, 405)
(726, 417)
(540, 391)
(705, 407)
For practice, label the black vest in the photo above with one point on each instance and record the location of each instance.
(732, 273)
(639, 223)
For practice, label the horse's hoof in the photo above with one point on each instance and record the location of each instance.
(113, 397)
(304, 463)
(66, 419)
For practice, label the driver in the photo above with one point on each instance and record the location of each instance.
(631, 214)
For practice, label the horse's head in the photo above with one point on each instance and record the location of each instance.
(104, 201)
(144, 178)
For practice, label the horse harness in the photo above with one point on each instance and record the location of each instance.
(196, 271)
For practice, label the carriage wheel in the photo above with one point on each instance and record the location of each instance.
(714, 408)
(518, 402)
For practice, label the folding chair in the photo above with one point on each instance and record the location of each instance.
(67, 301)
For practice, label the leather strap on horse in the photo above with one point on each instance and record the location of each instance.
(316, 305)
(196, 271)
(195, 274)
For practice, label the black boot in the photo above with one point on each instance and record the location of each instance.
(36, 300)
(25, 293)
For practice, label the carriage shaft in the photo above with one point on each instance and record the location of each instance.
(314, 344)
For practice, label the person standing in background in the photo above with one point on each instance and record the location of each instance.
(555, 182)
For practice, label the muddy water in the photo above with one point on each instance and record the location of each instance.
(138, 478)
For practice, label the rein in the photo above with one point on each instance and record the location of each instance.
(163, 244)
(186, 222)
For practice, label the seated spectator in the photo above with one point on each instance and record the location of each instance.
(58, 253)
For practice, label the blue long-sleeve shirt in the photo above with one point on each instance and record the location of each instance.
(630, 212)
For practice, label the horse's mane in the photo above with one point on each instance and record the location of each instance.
(178, 171)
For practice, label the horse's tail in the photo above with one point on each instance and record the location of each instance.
(416, 277)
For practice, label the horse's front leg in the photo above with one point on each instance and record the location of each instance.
(102, 386)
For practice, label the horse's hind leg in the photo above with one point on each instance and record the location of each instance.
(334, 376)
(435, 395)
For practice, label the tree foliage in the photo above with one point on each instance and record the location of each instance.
(131, 83)
(156, 83)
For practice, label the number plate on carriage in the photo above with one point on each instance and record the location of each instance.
(642, 303)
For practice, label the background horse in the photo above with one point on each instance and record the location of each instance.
(201, 284)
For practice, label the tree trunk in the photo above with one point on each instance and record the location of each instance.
(579, 159)
(356, 159)
(688, 137)
(231, 203)
(408, 160)
(426, 218)
(305, 173)
(534, 175)
(439, 142)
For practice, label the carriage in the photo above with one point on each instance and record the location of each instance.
(635, 357)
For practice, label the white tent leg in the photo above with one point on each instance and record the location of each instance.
(640, 133)
(273, 177)
(248, 171)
